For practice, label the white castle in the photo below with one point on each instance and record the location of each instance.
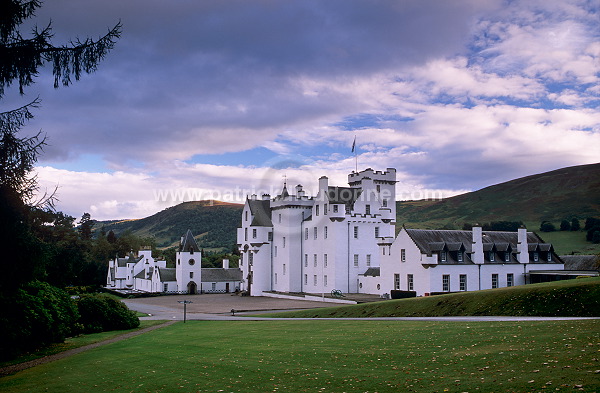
(344, 239)
(297, 243)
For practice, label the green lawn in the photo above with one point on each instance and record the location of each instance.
(76, 342)
(333, 356)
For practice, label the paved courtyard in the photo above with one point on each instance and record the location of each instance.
(213, 306)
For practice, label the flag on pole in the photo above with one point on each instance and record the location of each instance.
(354, 144)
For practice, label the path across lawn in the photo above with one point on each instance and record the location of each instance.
(50, 358)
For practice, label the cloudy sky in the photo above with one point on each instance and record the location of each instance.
(214, 98)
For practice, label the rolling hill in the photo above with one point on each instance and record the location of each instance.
(567, 193)
(213, 223)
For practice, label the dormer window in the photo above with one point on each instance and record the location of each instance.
(443, 256)
(536, 256)
(507, 256)
(549, 256)
(492, 256)
(459, 256)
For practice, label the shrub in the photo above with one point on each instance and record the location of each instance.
(35, 315)
(100, 312)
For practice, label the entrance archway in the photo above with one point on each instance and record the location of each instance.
(192, 288)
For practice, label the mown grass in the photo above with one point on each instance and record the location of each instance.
(333, 356)
(579, 297)
(76, 342)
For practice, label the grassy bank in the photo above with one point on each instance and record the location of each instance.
(333, 356)
(580, 297)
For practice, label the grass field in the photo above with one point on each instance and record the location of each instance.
(333, 356)
(76, 342)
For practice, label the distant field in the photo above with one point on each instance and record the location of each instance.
(579, 297)
(333, 356)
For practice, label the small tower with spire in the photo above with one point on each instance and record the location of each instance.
(188, 268)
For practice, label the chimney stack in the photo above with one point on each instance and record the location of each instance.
(522, 246)
(477, 246)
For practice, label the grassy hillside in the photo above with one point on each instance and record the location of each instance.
(213, 223)
(580, 297)
(552, 196)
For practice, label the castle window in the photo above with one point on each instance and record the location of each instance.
(305, 260)
(315, 232)
(368, 259)
(403, 255)
(191, 274)
(378, 188)
(280, 218)
(446, 283)
(368, 209)
(325, 280)
(384, 203)
(325, 209)
(270, 236)
(246, 215)
(335, 208)
(409, 282)
(376, 231)
(396, 281)
(284, 270)
(165, 287)
(306, 234)
(275, 280)
(315, 260)
(325, 233)
(284, 242)
(315, 280)
(245, 234)
(306, 279)
(251, 259)
(510, 279)
(355, 260)
(356, 232)
(254, 233)
(275, 252)
(191, 262)
(494, 281)
(462, 282)
(214, 286)
(316, 210)
(324, 260)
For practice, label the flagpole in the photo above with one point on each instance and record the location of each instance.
(355, 155)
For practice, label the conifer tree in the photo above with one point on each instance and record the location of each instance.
(21, 56)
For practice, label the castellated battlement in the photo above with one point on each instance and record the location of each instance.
(389, 175)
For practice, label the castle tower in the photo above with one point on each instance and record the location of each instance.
(188, 265)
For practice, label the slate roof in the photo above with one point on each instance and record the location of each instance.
(261, 212)
(430, 241)
(373, 271)
(343, 195)
(131, 258)
(167, 274)
(581, 262)
(221, 275)
(142, 274)
(189, 243)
